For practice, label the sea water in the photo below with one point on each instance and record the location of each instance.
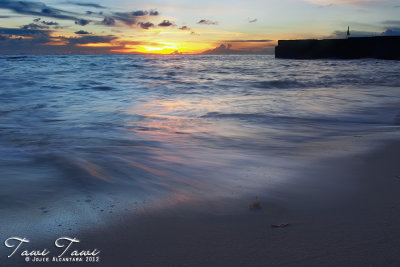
(97, 132)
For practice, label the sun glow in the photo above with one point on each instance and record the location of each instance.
(163, 48)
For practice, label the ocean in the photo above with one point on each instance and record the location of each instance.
(86, 137)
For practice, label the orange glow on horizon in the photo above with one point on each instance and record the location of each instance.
(96, 45)
(163, 48)
(57, 42)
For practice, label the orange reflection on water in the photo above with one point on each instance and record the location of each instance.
(94, 170)
(167, 117)
(151, 170)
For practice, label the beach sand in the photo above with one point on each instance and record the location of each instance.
(342, 212)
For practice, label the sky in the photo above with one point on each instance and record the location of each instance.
(184, 27)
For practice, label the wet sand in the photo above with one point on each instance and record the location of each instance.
(342, 212)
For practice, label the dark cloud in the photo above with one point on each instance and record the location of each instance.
(154, 13)
(108, 21)
(4, 17)
(207, 22)
(252, 20)
(82, 22)
(131, 18)
(391, 32)
(40, 9)
(166, 23)
(139, 13)
(41, 42)
(87, 4)
(34, 26)
(127, 18)
(49, 11)
(82, 32)
(46, 35)
(227, 49)
(36, 9)
(50, 23)
(13, 41)
(184, 28)
(24, 32)
(91, 39)
(146, 25)
(220, 50)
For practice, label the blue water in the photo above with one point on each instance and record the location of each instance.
(166, 129)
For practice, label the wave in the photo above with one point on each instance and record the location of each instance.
(281, 84)
(301, 120)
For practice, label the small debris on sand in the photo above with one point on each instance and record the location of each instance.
(255, 205)
(286, 224)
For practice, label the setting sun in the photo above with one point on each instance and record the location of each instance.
(164, 48)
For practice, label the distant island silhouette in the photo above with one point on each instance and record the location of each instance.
(380, 47)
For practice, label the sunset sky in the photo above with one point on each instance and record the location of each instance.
(181, 26)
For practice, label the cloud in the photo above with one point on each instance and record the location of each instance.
(252, 20)
(87, 4)
(166, 23)
(391, 32)
(128, 18)
(108, 21)
(82, 32)
(343, 34)
(92, 39)
(50, 23)
(14, 41)
(140, 13)
(207, 22)
(24, 32)
(221, 50)
(154, 13)
(34, 26)
(391, 22)
(145, 25)
(37, 9)
(227, 49)
(328, 3)
(38, 33)
(82, 22)
(38, 41)
(248, 41)
(184, 28)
